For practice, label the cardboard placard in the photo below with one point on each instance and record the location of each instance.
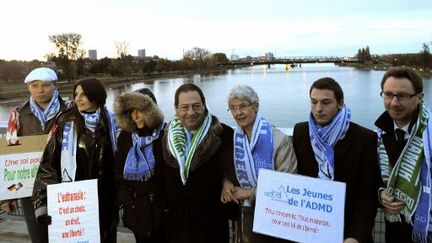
(19, 165)
(299, 208)
(74, 211)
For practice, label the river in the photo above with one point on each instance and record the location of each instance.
(284, 95)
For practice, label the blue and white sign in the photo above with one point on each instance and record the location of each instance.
(299, 208)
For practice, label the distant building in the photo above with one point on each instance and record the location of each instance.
(141, 53)
(269, 56)
(234, 57)
(92, 54)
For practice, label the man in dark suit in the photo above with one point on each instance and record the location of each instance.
(331, 147)
(405, 157)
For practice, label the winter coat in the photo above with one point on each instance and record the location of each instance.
(95, 160)
(194, 211)
(142, 201)
(355, 163)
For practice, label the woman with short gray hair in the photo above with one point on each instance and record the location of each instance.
(266, 147)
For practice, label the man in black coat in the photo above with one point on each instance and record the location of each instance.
(349, 156)
(402, 91)
(195, 145)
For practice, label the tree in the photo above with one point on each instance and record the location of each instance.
(198, 55)
(426, 57)
(122, 49)
(68, 45)
(363, 54)
(218, 57)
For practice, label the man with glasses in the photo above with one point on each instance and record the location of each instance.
(194, 148)
(331, 147)
(404, 145)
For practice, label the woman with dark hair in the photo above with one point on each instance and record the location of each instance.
(138, 171)
(82, 148)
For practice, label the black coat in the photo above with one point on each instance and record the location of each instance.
(95, 160)
(194, 212)
(142, 202)
(355, 164)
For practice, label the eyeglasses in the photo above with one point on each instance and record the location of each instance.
(399, 97)
(240, 108)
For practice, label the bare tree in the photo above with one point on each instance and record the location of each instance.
(122, 48)
(68, 45)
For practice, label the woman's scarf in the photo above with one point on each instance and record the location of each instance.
(410, 179)
(177, 143)
(91, 119)
(140, 161)
(70, 143)
(323, 140)
(50, 111)
(249, 157)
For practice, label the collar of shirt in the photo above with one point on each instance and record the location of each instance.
(404, 128)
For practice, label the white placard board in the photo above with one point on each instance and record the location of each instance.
(299, 208)
(74, 211)
(19, 165)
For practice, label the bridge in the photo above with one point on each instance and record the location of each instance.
(289, 61)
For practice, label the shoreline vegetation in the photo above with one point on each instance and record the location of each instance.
(384, 67)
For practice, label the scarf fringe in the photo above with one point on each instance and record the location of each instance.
(421, 237)
(133, 176)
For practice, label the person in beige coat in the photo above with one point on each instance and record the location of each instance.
(257, 144)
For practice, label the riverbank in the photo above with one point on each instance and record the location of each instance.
(383, 67)
(14, 92)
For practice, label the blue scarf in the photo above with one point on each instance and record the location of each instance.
(140, 161)
(323, 140)
(50, 111)
(249, 157)
(91, 119)
(70, 142)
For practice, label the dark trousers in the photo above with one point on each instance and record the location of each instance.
(38, 232)
(398, 232)
(156, 237)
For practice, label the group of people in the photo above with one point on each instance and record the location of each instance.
(182, 181)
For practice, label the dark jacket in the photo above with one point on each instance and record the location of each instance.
(194, 211)
(395, 231)
(29, 123)
(142, 202)
(356, 165)
(95, 160)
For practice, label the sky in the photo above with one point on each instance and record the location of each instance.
(167, 28)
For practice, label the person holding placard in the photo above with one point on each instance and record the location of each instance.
(257, 145)
(330, 146)
(138, 167)
(34, 117)
(82, 148)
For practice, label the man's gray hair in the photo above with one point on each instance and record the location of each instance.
(243, 92)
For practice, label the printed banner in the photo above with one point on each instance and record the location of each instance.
(299, 208)
(19, 165)
(74, 211)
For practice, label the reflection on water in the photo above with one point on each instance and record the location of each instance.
(284, 96)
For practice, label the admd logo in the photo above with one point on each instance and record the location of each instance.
(276, 195)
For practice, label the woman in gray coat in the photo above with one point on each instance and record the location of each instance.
(257, 145)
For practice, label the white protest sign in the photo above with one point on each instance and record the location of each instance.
(74, 211)
(299, 208)
(19, 165)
